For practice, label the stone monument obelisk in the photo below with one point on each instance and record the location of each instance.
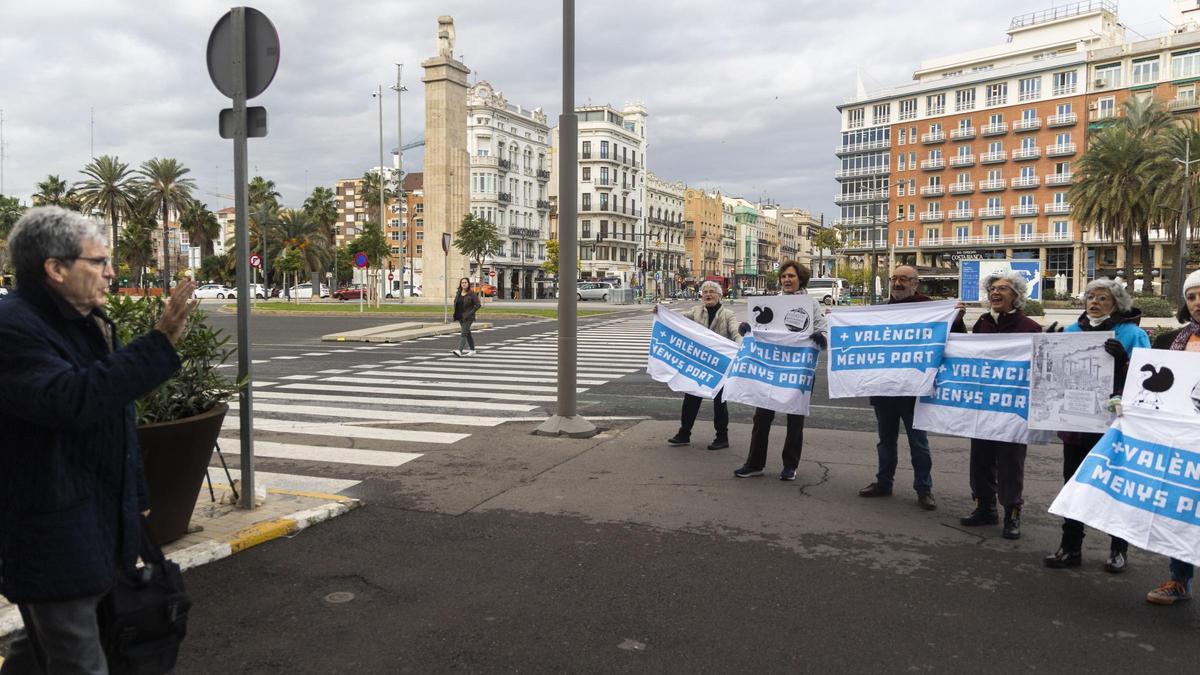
(447, 163)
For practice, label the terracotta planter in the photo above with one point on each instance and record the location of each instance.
(176, 456)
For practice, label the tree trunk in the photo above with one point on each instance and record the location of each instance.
(166, 270)
(1129, 259)
(1147, 260)
(116, 283)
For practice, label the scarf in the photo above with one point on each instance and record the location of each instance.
(1099, 321)
(1186, 333)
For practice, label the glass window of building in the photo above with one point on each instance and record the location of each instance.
(908, 109)
(1145, 71)
(935, 104)
(1185, 64)
(1026, 231)
(881, 113)
(1064, 82)
(855, 118)
(964, 99)
(997, 94)
(1029, 89)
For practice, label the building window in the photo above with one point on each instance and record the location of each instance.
(1108, 76)
(587, 202)
(1145, 71)
(1026, 231)
(912, 211)
(420, 235)
(1185, 64)
(963, 205)
(1029, 89)
(587, 173)
(1106, 108)
(587, 150)
(908, 109)
(993, 233)
(900, 137)
(997, 94)
(961, 233)
(964, 99)
(855, 118)
(881, 114)
(1064, 82)
(1063, 109)
(1028, 143)
(900, 161)
(419, 249)
(1061, 231)
(935, 104)
(585, 229)
(996, 118)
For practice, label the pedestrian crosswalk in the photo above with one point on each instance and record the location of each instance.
(394, 407)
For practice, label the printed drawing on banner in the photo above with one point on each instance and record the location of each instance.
(686, 356)
(796, 313)
(1070, 382)
(1163, 380)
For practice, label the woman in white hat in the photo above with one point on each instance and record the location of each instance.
(1184, 339)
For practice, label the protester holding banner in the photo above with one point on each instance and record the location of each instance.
(793, 278)
(998, 467)
(1108, 308)
(891, 411)
(722, 321)
(1185, 339)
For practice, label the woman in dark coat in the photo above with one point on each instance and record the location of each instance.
(998, 467)
(1108, 308)
(466, 303)
(1185, 339)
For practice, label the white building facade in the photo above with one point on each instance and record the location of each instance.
(664, 228)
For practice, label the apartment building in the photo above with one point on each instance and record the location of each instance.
(973, 159)
(795, 226)
(728, 237)
(663, 225)
(509, 147)
(702, 235)
(412, 247)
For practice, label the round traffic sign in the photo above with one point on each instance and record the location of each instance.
(492, 273)
(262, 53)
(360, 260)
(255, 260)
(391, 277)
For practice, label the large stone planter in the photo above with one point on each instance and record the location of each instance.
(176, 456)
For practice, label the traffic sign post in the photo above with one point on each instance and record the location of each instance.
(243, 56)
(446, 278)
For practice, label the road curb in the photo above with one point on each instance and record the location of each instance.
(246, 538)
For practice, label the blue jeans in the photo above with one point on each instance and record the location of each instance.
(1182, 572)
(890, 411)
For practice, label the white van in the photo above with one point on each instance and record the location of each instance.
(829, 290)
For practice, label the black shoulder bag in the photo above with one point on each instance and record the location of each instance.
(143, 620)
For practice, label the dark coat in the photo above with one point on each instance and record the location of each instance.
(71, 484)
(465, 306)
(1165, 340)
(1016, 322)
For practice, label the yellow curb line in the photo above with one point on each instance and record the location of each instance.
(263, 532)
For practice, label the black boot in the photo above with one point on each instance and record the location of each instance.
(984, 514)
(1012, 522)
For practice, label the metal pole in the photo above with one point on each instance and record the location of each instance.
(246, 397)
(567, 422)
(382, 183)
(1182, 230)
(399, 89)
(874, 260)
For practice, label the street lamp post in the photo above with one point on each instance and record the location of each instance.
(1181, 232)
(400, 89)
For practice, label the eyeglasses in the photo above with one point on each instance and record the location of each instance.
(102, 261)
(902, 280)
(997, 289)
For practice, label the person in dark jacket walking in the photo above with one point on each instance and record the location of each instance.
(466, 303)
(1107, 308)
(1184, 339)
(891, 411)
(998, 467)
(71, 484)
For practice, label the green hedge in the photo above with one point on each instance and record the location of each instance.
(1034, 308)
(1153, 306)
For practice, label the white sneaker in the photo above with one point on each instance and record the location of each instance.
(456, 352)
(471, 353)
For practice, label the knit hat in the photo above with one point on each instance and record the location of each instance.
(1192, 281)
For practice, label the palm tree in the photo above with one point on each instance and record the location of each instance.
(370, 194)
(298, 231)
(322, 208)
(1149, 120)
(165, 186)
(262, 221)
(109, 189)
(201, 225)
(53, 191)
(136, 244)
(261, 190)
(1168, 194)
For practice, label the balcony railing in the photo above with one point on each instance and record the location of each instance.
(543, 205)
(962, 160)
(991, 212)
(1025, 182)
(1059, 178)
(1063, 120)
(1027, 153)
(483, 161)
(964, 134)
(932, 190)
(1031, 124)
(962, 214)
(992, 185)
(936, 110)
(1103, 114)
(856, 221)
(976, 240)
(962, 188)
(863, 147)
(504, 164)
(861, 196)
(1182, 104)
(1057, 208)
(993, 101)
(933, 164)
(874, 170)
(1060, 150)
(994, 129)
(932, 216)
(933, 137)
(504, 197)
(1024, 210)
(543, 174)
(1064, 90)
(994, 157)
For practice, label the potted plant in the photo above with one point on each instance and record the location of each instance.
(179, 422)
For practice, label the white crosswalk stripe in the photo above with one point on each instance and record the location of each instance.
(302, 420)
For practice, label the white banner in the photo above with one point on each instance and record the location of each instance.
(888, 350)
(774, 371)
(796, 313)
(1070, 382)
(1142, 483)
(1163, 380)
(982, 390)
(688, 357)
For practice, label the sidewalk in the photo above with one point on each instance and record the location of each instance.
(221, 530)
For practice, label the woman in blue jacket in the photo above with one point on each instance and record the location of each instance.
(1107, 308)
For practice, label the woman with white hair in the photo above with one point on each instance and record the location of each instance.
(1107, 308)
(722, 321)
(998, 467)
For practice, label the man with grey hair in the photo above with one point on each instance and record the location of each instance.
(892, 411)
(71, 484)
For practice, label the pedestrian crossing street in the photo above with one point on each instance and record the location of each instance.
(396, 408)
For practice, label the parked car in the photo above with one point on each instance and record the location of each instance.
(594, 290)
(260, 291)
(483, 288)
(829, 290)
(219, 291)
(749, 291)
(409, 292)
(354, 293)
(304, 291)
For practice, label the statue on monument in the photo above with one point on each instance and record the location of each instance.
(445, 36)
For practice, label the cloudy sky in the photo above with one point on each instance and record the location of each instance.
(741, 94)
